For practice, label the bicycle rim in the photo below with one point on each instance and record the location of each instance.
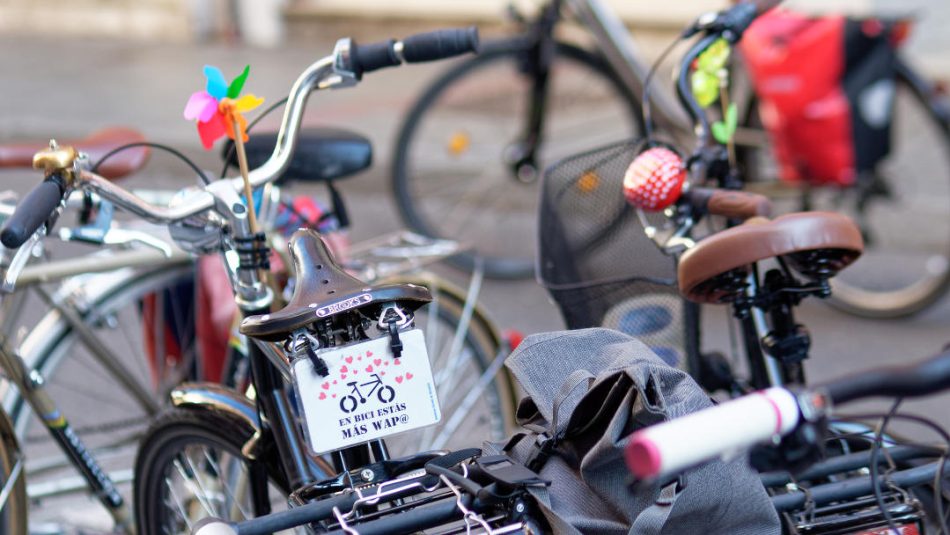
(906, 263)
(105, 416)
(453, 174)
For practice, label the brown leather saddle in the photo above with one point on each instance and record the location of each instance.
(814, 244)
(324, 290)
(96, 145)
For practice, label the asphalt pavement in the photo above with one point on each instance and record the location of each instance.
(66, 89)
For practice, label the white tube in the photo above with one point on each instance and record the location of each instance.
(735, 425)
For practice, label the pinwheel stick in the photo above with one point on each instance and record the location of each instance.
(242, 165)
(237, 131)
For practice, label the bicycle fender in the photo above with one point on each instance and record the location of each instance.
(224, 402)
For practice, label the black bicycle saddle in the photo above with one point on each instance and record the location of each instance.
(322, 154)
(324, 289)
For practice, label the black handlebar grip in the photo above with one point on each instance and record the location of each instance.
(921, 379)
(440, 44)
(31, 212)
(374, 56)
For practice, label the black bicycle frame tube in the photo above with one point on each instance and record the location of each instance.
(754, 354)
(276, 414)
(411, 521)
(692, 318)
(538, 66)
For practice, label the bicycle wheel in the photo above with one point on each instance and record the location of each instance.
(190, 466)
(454, 172)
(903, 209)
(106, 416)
(460, 352)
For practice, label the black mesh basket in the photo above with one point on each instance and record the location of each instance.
(598, 264)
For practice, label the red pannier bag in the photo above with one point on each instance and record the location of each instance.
(825, 88)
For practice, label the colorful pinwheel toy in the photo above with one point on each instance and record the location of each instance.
(217, 110)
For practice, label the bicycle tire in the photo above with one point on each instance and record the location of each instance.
(415, 203)
(925, 292)
(896, 248)
(168, 440)
(101, 413)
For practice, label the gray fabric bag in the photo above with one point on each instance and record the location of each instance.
(587, 390)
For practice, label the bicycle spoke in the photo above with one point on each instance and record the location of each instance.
(224, 484)
(178, 503)
(196, 487)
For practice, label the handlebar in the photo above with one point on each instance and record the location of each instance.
(342, 68)
(729, 24)
(924, 378)
(656, 179)
(739, 424)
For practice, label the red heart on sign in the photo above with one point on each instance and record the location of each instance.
(349, 360)
(396, 362)
(369, 369)
(343, 369)
(334, 395)
(377, 361)
(399, 379)
(326, 386)
(355, 371)
(382, 373)
(342, 376)
(369, 354)
(334, 381)
(323, 395)
(408, 376)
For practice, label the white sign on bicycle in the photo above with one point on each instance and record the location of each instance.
(367, 394)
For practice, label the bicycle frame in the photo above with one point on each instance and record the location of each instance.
(621, 52)
(219, 211)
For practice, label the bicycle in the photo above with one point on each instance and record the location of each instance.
(223, 417)
(157, 292)
(786, 430)
(441, 140)
(625, 253)
(581, 246)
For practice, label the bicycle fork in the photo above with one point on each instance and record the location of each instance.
(32, 388)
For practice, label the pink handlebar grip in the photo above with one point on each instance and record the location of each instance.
(671, 447)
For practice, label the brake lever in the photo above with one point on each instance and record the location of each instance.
(20, 259)
(115, 236)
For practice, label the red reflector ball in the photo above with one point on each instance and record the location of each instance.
(654, 179)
